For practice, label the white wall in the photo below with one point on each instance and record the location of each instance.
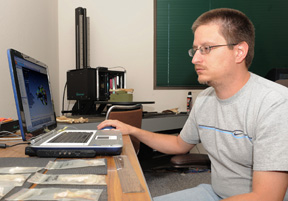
(29, 26)
(121, 34)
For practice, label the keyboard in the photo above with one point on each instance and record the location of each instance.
(72, 137)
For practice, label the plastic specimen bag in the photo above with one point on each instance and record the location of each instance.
(56, 194)
(19, 170)
(73, 179)
(5, 189)
(13, 179)
(76, 163)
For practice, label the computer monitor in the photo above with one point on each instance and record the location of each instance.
(32, 94)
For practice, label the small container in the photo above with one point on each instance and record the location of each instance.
(189, 102)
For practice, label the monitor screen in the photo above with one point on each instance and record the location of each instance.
(32, 94)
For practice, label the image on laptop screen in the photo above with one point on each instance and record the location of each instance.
(32, 94)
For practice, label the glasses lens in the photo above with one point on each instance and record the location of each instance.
(190, 52)
(205, 49)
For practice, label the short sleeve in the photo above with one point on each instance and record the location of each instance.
(271, 137)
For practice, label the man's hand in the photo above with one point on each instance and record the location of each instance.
(118, 125)
(168, 144)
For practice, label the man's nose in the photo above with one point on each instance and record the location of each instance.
(197, 57)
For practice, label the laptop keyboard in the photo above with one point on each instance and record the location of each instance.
(72, 137)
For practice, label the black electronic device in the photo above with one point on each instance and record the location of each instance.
(82, 39)
(277, 74)
(85, 84)
(81, 84)
(93, 83)
(10, 126)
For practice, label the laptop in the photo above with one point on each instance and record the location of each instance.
(37, 119)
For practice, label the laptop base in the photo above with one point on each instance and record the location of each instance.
(71, 153)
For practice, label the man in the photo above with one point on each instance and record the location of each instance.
(241, 119)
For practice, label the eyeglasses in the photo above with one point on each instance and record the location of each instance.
(205, 49)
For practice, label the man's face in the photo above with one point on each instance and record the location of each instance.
(216, 67)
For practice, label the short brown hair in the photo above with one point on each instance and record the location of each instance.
(235, 27)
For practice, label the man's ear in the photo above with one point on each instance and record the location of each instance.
(241, 51)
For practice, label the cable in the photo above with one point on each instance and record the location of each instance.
(5, 145)
(13, 145)
(63, 98)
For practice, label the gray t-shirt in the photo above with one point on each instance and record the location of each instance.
(246, 132)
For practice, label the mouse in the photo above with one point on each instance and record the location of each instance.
(108, 128)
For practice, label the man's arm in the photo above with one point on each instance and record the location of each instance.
(168, 144)
(267, 186)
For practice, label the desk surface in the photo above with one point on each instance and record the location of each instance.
(113, 183)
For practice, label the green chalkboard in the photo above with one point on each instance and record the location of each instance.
(174, 37)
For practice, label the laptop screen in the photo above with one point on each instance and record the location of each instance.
(32, 94)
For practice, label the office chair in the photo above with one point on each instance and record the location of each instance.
(191, 160)
(132, 115)
(283, 82)
(129, 114)
(180, 162)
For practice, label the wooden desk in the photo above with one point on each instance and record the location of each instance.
(113, 183)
